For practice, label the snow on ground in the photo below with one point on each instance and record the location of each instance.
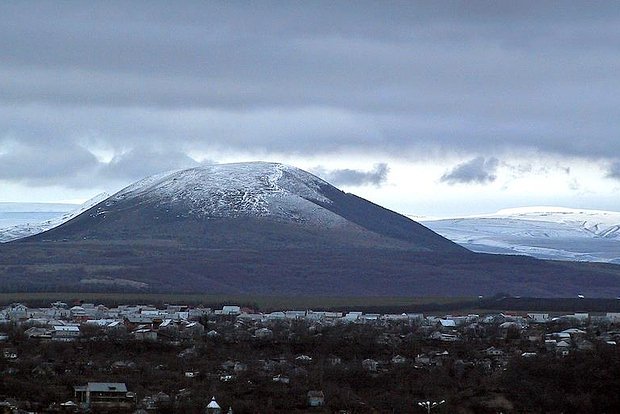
(48, 216)
(544, 232)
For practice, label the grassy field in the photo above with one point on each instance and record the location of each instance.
(264, 303)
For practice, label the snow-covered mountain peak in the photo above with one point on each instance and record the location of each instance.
(232, 190)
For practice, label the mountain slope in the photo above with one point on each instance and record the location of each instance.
(543, 232)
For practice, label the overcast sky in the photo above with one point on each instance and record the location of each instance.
(429, 108)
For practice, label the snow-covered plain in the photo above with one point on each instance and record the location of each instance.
(19, 220)
(14, 214)
(544, 232)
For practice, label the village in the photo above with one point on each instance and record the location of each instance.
(184, 359)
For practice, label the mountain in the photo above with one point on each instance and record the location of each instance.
(270, 229)
(544, 232)
(250, 205)
(19, 220)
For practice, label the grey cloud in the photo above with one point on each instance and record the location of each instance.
(403, 79)
(139, 163)
(614, 170)
(76, 167)
(68, 166)
(478, 170)
(377, 176)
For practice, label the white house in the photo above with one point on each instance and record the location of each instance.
(65, 332)
(231, 310)
(538, 317)
(370, 364)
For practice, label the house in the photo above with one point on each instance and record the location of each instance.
(445, 337)
(281, 379)
(145, 334)
(104, 396)
(44, 369)
(9, 354)
(493, 352)
(7, 407)
(78, 313)
(116, 327)
(213, 407)
(334, 360)
(422, 359)
(17, 311)
(212, 334)
(581, 316)
(613, 317)
(538, 317)
(370, 364)
(231, 310)
(123, 365)
(240, 367)
(295, 314)
(447, 323)
(399, 359)
(370, 317)
(563, 345)
(276, 316)
(509, 330)
(352, 316)
(316, 398)
(304, 359)
(65, 332)
(550, 344)
(38, 333)
(264, 333)
(192, 330)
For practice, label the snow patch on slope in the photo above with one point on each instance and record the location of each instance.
(29, 229)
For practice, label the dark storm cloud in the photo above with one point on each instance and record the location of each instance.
(377, 176)
(68, 166)
(404, 79)
(77, 167)
(139, 163)
(478, 170)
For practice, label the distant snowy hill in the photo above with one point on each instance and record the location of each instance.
(13, 214)
(18, 220)
(543, 232)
